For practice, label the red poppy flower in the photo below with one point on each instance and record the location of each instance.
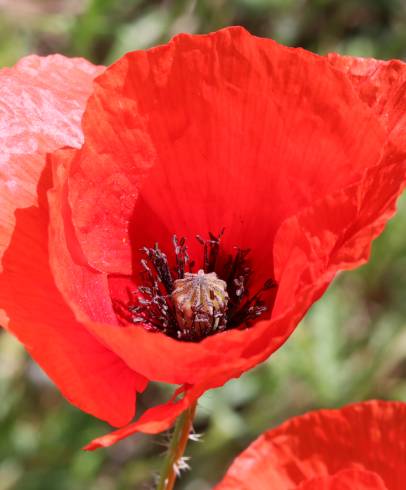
(297, 157)
(361, 446)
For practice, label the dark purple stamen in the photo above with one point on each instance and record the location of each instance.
(211, 249)
(152, 304)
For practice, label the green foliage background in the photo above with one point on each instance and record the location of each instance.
(350, 347)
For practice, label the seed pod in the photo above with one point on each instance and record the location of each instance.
(201, 304)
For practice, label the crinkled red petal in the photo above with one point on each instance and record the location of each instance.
(209, 131)
(81, 284)
(42, 102)
(350, 479)
(364, 441)
(381, 85)
(154, 420)
(88, 374)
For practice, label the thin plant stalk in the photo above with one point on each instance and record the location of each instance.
(176, 449)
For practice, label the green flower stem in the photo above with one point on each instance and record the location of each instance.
(176, 448)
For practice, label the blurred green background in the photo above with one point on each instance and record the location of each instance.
(351, 346)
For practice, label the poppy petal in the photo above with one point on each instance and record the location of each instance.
(42, 102)
(366, 441)
(89, 375)
(154, 420)
(336, 233)
(344, 480)
(381, 85)
(81, 284)
(224, 129)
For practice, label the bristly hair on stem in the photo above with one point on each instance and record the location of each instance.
(175, 462)
(152, 304)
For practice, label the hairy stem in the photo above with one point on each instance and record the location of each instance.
(176, 449)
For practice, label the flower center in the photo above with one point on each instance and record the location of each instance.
(200, 302)
(189, 305)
